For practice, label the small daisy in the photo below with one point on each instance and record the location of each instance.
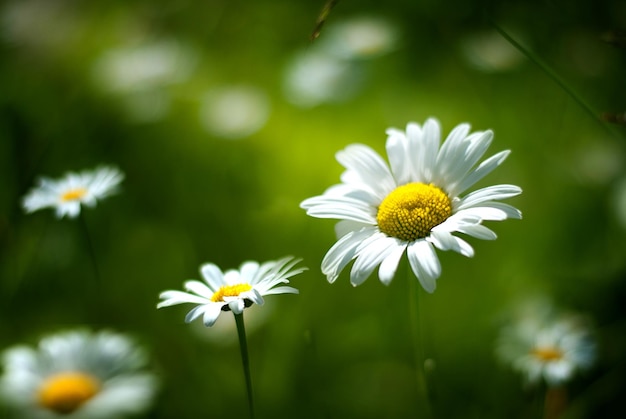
(68, 193)
(414, 204)
(234, 289)
(552, 350)
(77, 374)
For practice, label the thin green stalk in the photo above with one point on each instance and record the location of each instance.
(418, 347)
(553, 75)
(243, 346)
(90, 249)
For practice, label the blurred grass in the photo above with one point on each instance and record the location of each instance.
(190, 197)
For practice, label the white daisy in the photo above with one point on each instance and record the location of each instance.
(77, 374)
(234, 289)
(414, 204)
(552, 350)
(68, 193)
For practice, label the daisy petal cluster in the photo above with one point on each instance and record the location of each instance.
(68, 193)
(77, 374)
(416, 203)
(234, 289)
(549, 348)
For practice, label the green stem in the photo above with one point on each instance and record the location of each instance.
(418, 350)
(90, 249)
(552, 74)
(243, 346)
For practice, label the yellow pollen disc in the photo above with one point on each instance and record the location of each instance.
(65, 392)
(547, 354)
(410, 211)
(230, 291)
(74, 194)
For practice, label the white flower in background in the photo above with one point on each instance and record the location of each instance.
(234, 289)
(234, 112)
(314, 77)
(359, 37)
(77, 374)
(141, 75)
(149, 65)
(548, 347)
(332, 69)
(416, 204)
(489, 52)
(68, 193)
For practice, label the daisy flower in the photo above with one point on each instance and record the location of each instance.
(234, 289)
(77, 374)
(68, 193)
(550, 349)
(415, 203)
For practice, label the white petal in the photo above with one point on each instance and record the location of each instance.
(424, 149)
(425, 264)
(445, 241)
(490, 193)
(370, 168)
(237, 306)
(212, 275)
(211, 314)
(369, 255)
(196, 312)
(282, 290)
(343, 251)
(508, 210)
(480, 172)
(451, 146)
(397, 153)
(340, 207)
(389, 265)
(479, 231)
(344, 227)
(248, 271)
(199, 288)
(171, 298)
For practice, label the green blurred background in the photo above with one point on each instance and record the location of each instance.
(197, 102)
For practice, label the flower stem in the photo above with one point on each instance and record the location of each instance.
(243, 346)
(92, 253)
(555, 402)
(418, 347)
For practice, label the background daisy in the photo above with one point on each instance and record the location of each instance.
(68, 193)
(234, 289)
(77, 374)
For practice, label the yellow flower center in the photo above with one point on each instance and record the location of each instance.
(410, 211)
(74, 194)
(547, 353)
(67, 391)
(230, 291)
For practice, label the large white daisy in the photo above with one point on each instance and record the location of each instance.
(77, 374)
(234, 289)
(68, 193)
(415, 203)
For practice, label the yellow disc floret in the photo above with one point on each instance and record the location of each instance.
(230, 291)
(74, 194)
(410, 211)
(547, 353)
(65, 392)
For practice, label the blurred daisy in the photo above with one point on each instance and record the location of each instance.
(67, 194)
(414, 204)
(549, 349)
(77, 374)
(234, 289)
(360, 37)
